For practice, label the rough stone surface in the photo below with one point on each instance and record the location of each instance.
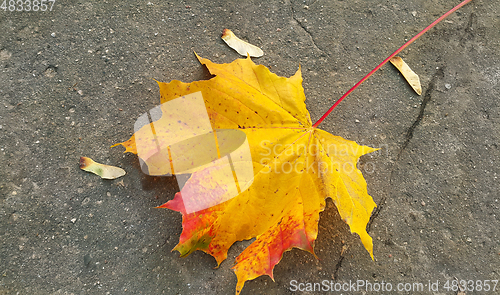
(74, 80)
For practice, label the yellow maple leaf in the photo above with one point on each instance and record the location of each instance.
(293, 168)
(264, 171)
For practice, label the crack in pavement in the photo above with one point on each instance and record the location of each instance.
(337, 266)
(305, 30)
(409, 135)
(469, 29)
(427, 98)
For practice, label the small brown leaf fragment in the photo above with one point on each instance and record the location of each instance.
(344, 248)
(242, 47)
(120, 183)
(104, 171)
(409, 75)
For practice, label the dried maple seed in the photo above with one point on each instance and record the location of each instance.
(104, 171)
(242, 47)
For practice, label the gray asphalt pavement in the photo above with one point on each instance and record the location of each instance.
(74, 80)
